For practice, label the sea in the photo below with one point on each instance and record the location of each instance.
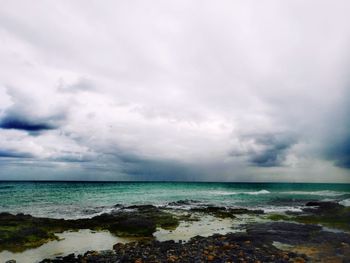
(72, 200)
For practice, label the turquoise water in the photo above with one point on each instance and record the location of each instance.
(86, 199)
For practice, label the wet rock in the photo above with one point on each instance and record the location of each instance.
(322, 207)
(183, 202)
(329, 214)
(134, 226)
(238, 211)
(290, 233)
(143, 207)
(299, 260)
(223, 212)
(210, 257)
(323, 204)
(294, 233)
(19, 232)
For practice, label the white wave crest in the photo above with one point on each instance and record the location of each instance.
(345, 202)
(281, 209)
(261, 192)
(320, 193)
(223, 193)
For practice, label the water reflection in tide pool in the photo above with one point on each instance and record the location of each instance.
(71, 242)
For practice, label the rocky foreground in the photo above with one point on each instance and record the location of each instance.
(255, 245)
(217, 248)
(289, 237)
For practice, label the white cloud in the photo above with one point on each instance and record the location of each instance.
(191, 84)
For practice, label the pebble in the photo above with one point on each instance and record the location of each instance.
(210, 258)
(216, 248)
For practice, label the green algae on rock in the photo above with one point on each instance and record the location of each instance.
(328, 214)
(19, 232)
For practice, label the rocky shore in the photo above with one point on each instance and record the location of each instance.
(257, 244)
(318, 233)
(216, 248)
(19, 232)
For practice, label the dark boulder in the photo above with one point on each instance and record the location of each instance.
(134, 227)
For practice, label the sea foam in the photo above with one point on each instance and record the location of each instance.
(345, 202)
(261, 192)
(319, 193)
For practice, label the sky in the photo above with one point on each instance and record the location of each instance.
(188, 90)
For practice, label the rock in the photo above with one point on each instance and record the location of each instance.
(134, 226)
(322, 207)
(142, 207)
(299, 260)
(30, 232)
(245, 211)
(226, 245)
(284, 232)
(210, 257)
(210, 248)
(118, 246)
(172, 258)
(182, 202)
(197, 249)
(326, 205)
(294, 233)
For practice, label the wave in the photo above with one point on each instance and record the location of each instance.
(345, 202)
(223, 193)
(320, 193)
(6, 187)
(281, 209)
(261, 192)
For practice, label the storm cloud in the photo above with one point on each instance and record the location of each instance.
(24, 114)
(272, 149)
(184, 90)
(21, 123)
(13, 154)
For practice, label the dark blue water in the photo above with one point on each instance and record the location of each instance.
(85, 199)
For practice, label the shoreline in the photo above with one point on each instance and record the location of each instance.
(155, 226)
(170, 182)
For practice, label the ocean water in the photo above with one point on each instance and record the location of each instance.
(87, 199)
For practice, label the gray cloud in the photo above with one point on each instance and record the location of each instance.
(157, 170)
(21, 115)
(23, 123)
(265, 150)
(13, 154)
(336, 136)
(185, 90)
(274, 150)
(82, 84)
(341, 154)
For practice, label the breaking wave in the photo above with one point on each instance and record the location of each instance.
(319, 193)
(260, 192)
(345, 202)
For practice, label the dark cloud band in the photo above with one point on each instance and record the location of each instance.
(13, 154)
(25, 124)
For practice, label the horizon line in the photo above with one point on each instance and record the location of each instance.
(162, 181)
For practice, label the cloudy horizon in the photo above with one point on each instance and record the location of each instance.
(175, 90)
